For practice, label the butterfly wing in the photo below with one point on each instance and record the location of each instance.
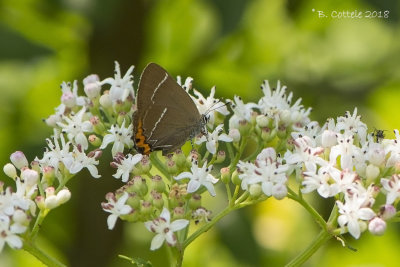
(167, 114)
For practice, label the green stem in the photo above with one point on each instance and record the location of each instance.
(40, 255)
(321, 239)
(155, 160)
(207, 226)
(309, 208)
(39, 219)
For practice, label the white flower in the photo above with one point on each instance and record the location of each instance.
(9, 234)
(126, 166)
(305, 154)
(121, 136)
(353, 124)
(276, 105)
(75, 128)
(58, 153)
(321, 181)
(116, 208)
(121, 87)
(352, 211)
(80, 160)
(266, 171)
(346, 150)
(241, 111)
(313, 131)
(213, 138)
(164, 229)
(392, 188)
(209, 105)
(92, 86)
(70, 97)
(198, 177)
(392, 148)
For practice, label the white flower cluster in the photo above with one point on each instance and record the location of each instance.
(17, 208)
(340, 159)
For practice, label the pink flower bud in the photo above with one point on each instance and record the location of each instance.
(19, 160)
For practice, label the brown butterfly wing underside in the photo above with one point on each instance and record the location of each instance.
(166, 116)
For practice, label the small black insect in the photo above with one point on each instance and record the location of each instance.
(379, 135)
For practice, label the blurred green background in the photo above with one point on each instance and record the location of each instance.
(333, 64)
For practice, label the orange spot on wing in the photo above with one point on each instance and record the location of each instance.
(140, 140)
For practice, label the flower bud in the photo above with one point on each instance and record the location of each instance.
(328, 139)
(376, 154)
(39, 200)
(171, 166)
(92, 86)
(98, 126)
(157, 200)
(279, 191)
(132, 216)
(244, 127)
(282, 132)
(221, 155)
(157, 184)
(139, 185)
(94, 140)
(178, 213)
(255, 190)
(51, 202)
(50, 191)
(19, 160)
(63, 196)
(10, 170)
(30, 177)
(105, 100)
(48, 175)
(133, 200)
(195, 201)
(235, 178)
(146, 208)
(377, 226)
(263, 121)
(225, 178)
(372, 172)
(268, 134)
(68, 99)
(123, 117)
(179, 158)
(234, 134)
(387, 211)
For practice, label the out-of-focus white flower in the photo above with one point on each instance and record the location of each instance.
(164, 229)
